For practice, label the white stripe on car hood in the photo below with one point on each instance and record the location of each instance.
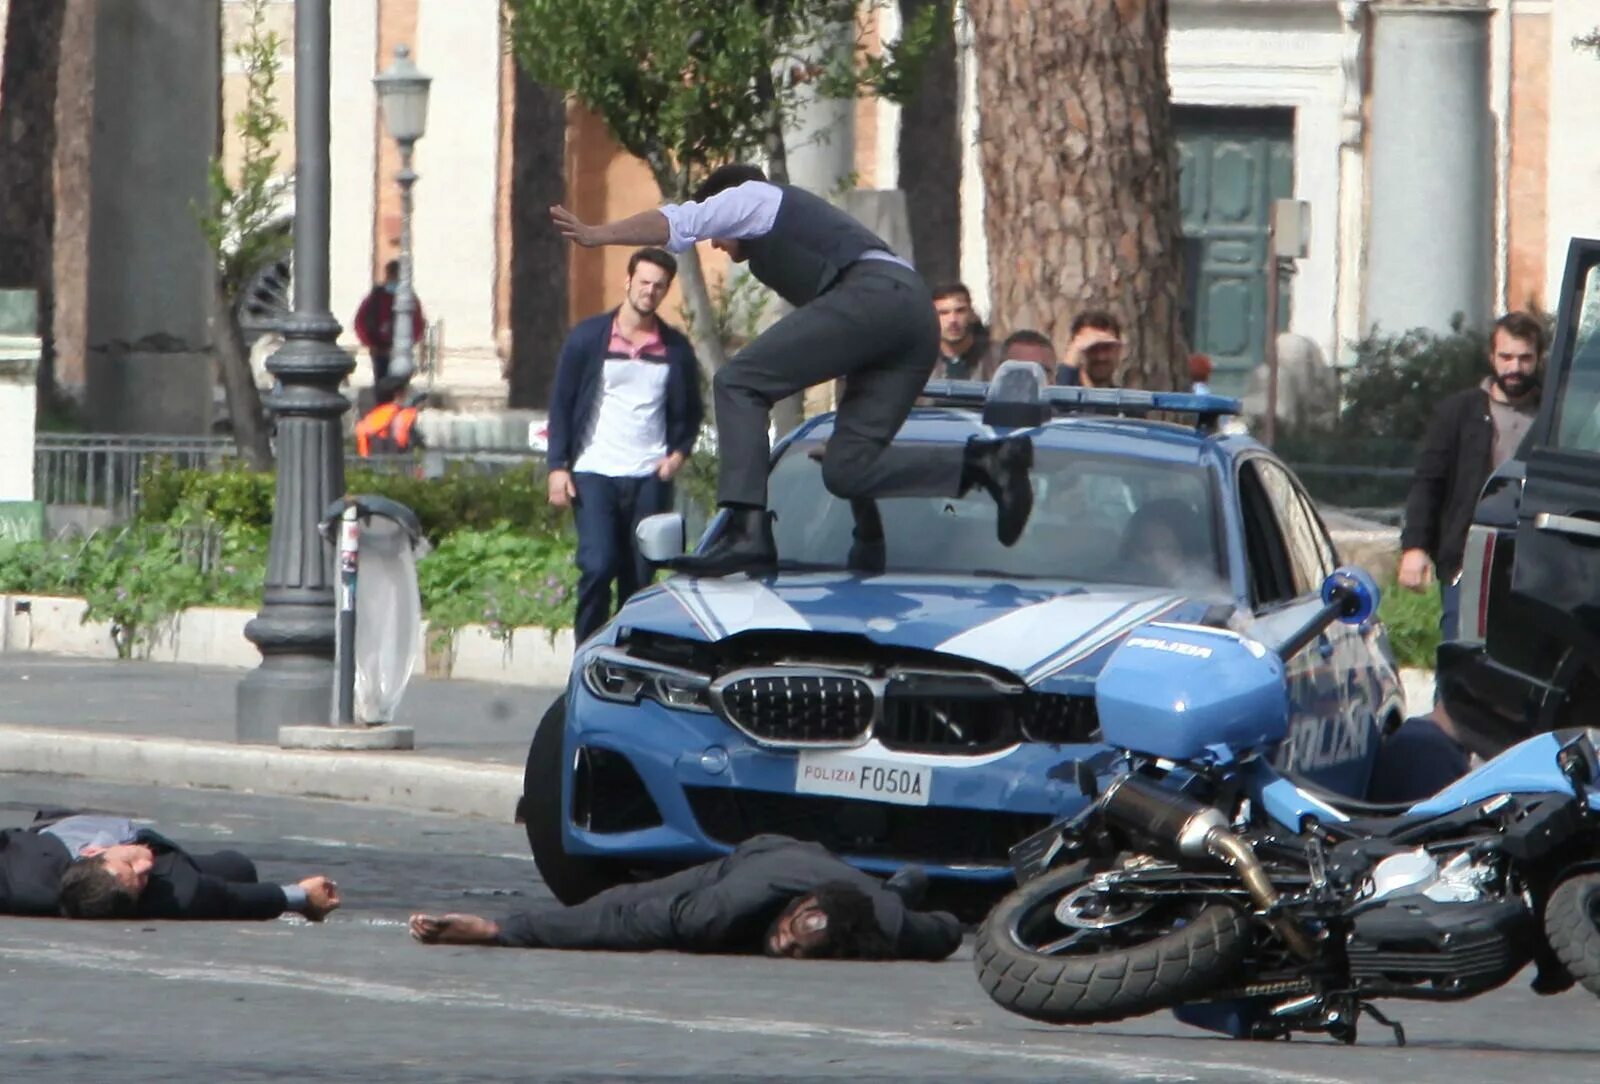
(1030, 638)
(728, 606)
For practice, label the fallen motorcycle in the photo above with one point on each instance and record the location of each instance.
(1201, 878)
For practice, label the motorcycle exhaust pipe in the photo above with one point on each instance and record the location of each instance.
(1198, 831)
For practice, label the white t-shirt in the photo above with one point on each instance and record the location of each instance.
(628, 432)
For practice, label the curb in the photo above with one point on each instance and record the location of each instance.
(404, 780)
(213, 636)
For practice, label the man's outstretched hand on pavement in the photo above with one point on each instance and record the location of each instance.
(322, 897)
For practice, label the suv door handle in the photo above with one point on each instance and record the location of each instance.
(1549, 521)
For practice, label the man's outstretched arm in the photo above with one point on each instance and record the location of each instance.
(644, 228)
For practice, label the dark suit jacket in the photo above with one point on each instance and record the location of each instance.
(31, 865)
(1455, 460)
(726, 906)
(205, 886)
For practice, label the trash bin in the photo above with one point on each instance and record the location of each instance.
(377, 545)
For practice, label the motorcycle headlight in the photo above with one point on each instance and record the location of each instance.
(615, 676)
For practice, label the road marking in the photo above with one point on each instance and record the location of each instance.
(123, 961)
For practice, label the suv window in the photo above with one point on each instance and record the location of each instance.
(1096, 518)
(1578, 420)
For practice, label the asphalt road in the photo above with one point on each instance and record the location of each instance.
(355, 999)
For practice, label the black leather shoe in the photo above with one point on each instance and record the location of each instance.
(1001, 467)
(745, 545)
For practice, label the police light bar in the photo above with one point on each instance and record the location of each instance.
(1018, 397)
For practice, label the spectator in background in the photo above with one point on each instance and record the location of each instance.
(390, 427)
(624, 416)
(1095, 350)
(965, 352)
(1200, 374)
(1472, 432)
(375, 323)
(1027, 344)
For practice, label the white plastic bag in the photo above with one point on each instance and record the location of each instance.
(388, 619)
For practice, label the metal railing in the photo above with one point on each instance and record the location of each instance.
(101, 470)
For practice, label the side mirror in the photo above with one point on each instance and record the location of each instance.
(1356, 590)
(660, 537)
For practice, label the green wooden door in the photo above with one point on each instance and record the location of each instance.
(1233, 163)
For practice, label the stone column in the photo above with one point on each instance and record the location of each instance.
(1431, 244)
(21, 517)
(156, 115)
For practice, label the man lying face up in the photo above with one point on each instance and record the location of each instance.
(773, 895)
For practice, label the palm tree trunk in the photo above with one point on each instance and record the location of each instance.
(539, 255)
(1080, 173)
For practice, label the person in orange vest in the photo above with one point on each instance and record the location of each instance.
(390, 428)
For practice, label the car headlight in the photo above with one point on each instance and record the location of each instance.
(621, 678)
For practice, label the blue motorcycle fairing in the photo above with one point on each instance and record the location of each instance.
(1527, 767)
(1173, 690)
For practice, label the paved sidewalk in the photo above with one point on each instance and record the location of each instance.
(464, 720)
(171, 724)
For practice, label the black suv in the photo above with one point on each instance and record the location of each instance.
(1528, 659)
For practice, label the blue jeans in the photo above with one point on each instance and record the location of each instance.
(1450, 611)
(607, 510)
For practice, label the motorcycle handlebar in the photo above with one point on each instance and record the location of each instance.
(1343, 601)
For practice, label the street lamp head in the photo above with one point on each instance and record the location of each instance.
(403, 96)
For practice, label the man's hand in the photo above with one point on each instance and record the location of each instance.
(1415, 568)
(573, 228)
(668, 468)
(562, 491)
(322, 897)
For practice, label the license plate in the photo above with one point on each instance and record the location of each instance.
(847, 776)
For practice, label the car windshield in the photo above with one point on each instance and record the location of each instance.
(1097, 519)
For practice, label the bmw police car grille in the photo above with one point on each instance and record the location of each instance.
(947, 724)
(1061, 719)
(799, 708)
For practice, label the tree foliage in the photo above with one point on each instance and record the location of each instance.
(689, 85)
(240, 223)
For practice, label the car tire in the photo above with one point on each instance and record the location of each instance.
(1138, 976)
(1572, 926)
(571, 878)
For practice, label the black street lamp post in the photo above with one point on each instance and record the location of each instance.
(294, 629)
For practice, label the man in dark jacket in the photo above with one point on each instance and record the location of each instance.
(861, 313)
(96, 866)
(772, 895)
(1472, 433)
(624, 415)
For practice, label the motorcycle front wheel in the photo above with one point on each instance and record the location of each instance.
(1062, 950)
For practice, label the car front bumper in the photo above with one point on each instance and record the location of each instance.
(712, 787)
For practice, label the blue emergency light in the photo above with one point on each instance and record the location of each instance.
(1018, 397)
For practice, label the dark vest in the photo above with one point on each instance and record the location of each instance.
(809, 246)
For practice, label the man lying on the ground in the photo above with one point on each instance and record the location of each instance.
(772, 895)
(95, 866)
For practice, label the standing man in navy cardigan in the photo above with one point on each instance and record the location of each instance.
(624, 416)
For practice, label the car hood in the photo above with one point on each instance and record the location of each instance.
(1035, 629)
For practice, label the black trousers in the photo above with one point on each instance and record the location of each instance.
(876, 328)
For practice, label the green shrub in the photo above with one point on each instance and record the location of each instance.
(501, 578)
(1412, 622)
(462, 499)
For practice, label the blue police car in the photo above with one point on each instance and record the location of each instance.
(914, 701)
